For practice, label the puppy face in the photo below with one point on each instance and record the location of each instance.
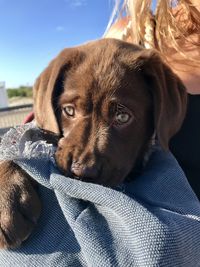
(106, 122)
(106, 99)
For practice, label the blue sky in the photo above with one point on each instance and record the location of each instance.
(32, 32)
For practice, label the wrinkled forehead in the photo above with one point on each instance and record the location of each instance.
(105, 77)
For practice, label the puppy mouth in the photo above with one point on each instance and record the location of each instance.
(84, 179)
(102, 172)
(87, 175)
(111, 178)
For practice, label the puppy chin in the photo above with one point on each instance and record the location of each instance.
(108, 180)
(106, 175)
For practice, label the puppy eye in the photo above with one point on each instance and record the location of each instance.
(69, 110)
(121, 118)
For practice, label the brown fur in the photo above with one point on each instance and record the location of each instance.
(101, 80)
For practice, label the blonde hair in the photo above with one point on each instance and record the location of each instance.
(172, 23)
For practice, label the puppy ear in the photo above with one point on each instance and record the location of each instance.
(169, 96)
(48, 87)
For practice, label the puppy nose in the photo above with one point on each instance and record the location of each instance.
(82, 171)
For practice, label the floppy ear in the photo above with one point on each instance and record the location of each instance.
(169, 96)
(49, 86)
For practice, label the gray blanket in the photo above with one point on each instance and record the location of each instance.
(151, 221)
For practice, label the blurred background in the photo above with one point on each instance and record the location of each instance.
(31, 34)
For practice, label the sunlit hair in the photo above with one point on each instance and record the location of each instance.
(166, 27)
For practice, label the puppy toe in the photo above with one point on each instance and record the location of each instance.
(15, 228)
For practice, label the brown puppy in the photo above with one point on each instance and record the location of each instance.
(105, 100)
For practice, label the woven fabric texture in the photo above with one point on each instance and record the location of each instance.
(151, 221)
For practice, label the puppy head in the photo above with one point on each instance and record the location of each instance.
(106, 99)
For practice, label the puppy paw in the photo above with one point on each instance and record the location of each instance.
(20, 206)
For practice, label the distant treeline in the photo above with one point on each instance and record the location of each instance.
(22, 91)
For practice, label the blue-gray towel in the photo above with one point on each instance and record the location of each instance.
(151, 221)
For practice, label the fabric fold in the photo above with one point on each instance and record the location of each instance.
(153, 220)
